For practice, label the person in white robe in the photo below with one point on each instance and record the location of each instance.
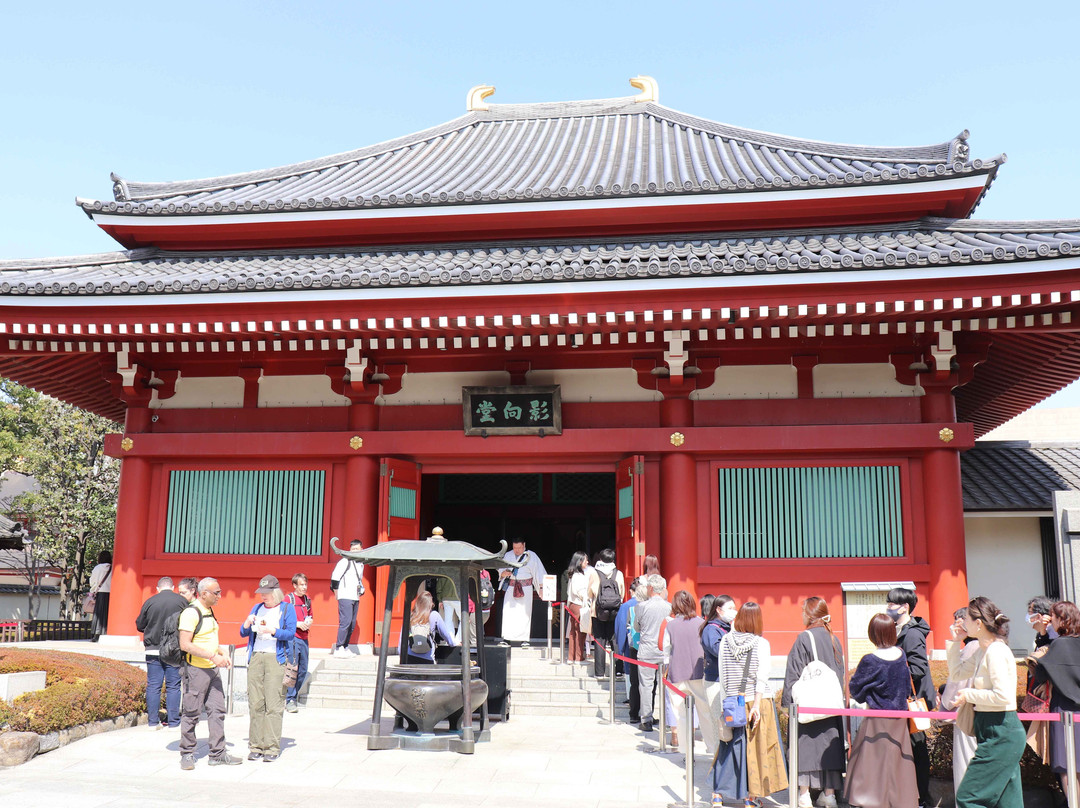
(518, 584)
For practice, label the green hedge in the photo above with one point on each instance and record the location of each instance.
(78, 690)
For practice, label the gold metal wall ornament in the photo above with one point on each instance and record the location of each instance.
(946, 434)
(126, 444)
(356, 442)
(677, 438)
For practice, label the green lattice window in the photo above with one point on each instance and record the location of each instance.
(812, 512)
(490, 489)
(245, 512)
(583, 488)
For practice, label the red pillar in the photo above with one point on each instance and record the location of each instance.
(678, 504)
(361, 510)
(944, 518)
(129, 543)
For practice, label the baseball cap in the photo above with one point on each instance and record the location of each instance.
(268, 583)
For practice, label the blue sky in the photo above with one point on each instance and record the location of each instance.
(177, 91)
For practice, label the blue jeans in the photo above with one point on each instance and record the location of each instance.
(300, 648)
(156, 673)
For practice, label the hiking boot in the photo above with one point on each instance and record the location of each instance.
(187, 762)
(224, 759)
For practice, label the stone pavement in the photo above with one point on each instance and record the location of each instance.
(531, 761)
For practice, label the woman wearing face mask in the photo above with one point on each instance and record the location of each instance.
(822, 758)
(1060, 666)
(993, 775)
(718, 620)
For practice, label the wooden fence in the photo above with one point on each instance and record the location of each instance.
(41, 630)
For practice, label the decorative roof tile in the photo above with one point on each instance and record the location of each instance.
(1017, 475)
(608, 148)
(929, 242)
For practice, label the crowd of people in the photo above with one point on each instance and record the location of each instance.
(717, 651)
(276, 631)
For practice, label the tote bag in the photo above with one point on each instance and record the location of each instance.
(817, 686)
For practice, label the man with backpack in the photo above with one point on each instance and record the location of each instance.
(156, 611)
(347, 582)
(198, 630)
(606, 592)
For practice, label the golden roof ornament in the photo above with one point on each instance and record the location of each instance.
(650, 90)
(474, 101)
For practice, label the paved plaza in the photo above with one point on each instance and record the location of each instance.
(530, 761)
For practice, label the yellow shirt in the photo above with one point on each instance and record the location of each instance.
(206, 639)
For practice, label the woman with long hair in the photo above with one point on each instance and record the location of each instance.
(686, 669)
(270, 629)
(425, 621)
(993, 774)
(881, 770)
(576, 590)
(650, 566)
(1060, 665)
(822, 757)
(749, 762)
(100, 587)
(717, 623)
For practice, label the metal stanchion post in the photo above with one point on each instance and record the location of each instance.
(793, 755)
(611, 685)
(688, 730)
(661, 695)
(550, 615)
(1069, 722)
(229, 681)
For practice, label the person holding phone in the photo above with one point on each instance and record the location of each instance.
(300, 601)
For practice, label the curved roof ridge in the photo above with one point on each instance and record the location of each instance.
(80, 261)
(563, 109)
(936, 152)
(126, 190)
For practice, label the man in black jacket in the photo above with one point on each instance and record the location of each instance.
(911, 633)
(157, 609)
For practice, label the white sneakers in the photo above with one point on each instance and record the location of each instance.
(341, 652)
(805, 801)
(825, 800)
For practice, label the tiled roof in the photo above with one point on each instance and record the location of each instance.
(930, 242)
(1017, 475)
(611, 148)
(22, 589)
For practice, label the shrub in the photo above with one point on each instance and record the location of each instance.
(78, 690)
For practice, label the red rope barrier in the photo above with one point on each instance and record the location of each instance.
(635, 661)
(912, 714)
(673, 689)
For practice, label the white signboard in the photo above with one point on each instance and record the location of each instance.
(549, 590)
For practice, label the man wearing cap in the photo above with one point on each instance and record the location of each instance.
(198, 630)
(270, 629)
(347, 581)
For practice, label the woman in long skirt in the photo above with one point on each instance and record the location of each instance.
(822, 757)
(993, 775)
(1060, 665)
(749, 762)
(881, 771)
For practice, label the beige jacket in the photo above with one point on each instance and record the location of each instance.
(993, 676)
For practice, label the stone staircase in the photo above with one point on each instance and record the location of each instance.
(537, 686)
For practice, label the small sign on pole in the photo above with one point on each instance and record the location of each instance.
(549, 589)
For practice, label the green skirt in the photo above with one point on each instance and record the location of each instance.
(993, 775)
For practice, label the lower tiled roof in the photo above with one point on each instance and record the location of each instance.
(1016, 475)
(929, 242)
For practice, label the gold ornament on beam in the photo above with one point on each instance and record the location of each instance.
(356, 442)
(677, 438)
(126, 444)
(946, 434)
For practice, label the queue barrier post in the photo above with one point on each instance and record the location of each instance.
(611, 685)
(1069, 721)
(661, 708)
(793, 755)
(562, 633)
(550, 617)
(229, 680)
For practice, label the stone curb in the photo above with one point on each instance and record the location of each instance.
(18, 747)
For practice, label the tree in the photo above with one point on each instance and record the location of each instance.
(73, 512)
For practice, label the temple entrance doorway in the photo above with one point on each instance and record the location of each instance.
(555, 513)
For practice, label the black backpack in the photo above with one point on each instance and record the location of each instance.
(169, 649)
(608, 599)
(487, 591)
(421, 643)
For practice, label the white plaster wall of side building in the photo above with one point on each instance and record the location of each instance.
(299, 391)
(751, 382)
(860, 380)
(202, 393)
(1004, 563)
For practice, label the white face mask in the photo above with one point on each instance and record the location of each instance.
(728, 615)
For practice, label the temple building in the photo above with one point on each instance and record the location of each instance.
(588, 324)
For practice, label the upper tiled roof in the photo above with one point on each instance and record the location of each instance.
(930, 242)
(611, 148)
(1017, 475)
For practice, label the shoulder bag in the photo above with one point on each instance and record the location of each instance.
(817, 686)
